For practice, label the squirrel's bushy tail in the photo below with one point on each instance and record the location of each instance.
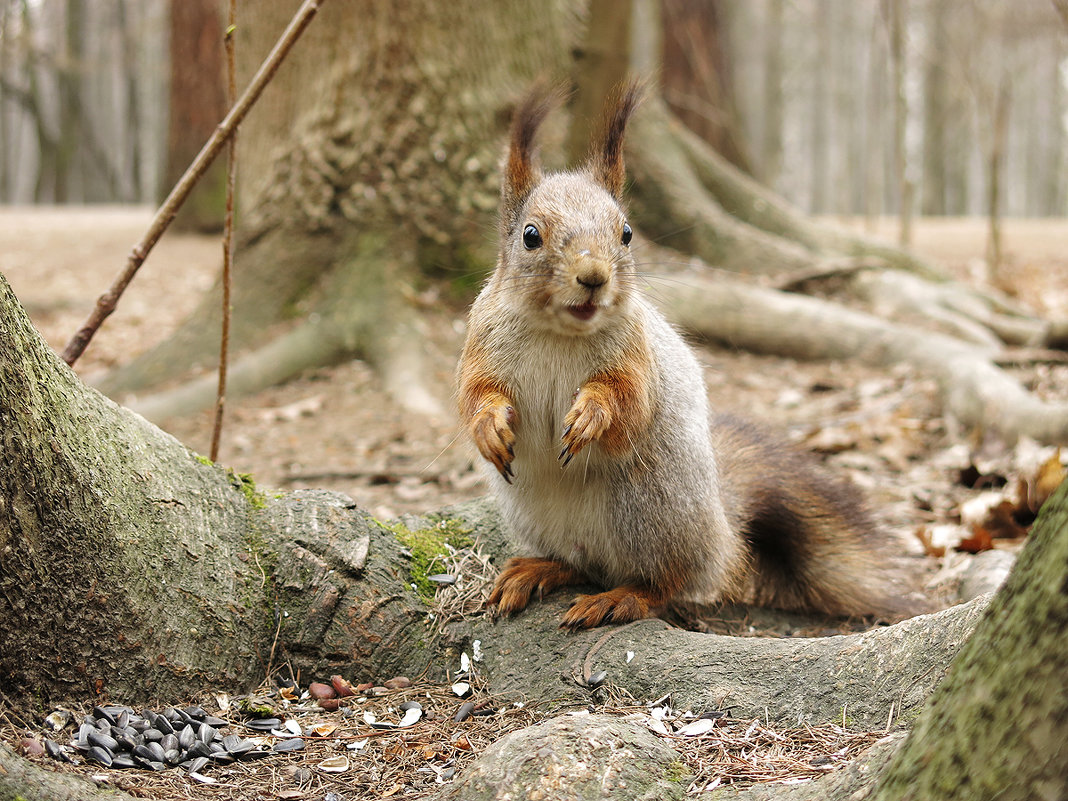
(813, 544)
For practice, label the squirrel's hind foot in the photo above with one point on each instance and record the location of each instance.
(524, 576)
(621, 605)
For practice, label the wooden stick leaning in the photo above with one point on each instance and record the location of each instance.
(106, 303)
(228, 239)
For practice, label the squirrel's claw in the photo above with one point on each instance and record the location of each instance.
(621, 605)
(493, 434)
(587, 420)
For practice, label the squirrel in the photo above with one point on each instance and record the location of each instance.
(592, 416)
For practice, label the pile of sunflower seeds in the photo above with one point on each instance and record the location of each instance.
(118, 737)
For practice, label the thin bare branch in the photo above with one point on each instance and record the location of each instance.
(228, 238)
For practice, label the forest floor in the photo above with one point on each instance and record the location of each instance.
(336, 428)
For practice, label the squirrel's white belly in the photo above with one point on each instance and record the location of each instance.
(560, 512)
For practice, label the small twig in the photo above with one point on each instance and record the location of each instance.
(106, 303)
(228, 238)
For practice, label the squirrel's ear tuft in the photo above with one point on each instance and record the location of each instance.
(606, 159)
(522, 171)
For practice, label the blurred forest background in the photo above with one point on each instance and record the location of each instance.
(859, 108)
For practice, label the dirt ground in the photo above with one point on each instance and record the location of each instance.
(335, 428)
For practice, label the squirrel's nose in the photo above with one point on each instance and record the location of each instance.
(590, 272)
(591, 280)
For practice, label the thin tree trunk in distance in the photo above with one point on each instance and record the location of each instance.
(995, 167)
(896, 12)
(935, 110)
(6, 182)
(771, 143)
(874, 136)
(696, 76)
(819, 136)
(132, 99)
(197, 104)
(601, 64)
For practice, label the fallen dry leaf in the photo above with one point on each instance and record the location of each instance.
(1050, 475)
(981, 540)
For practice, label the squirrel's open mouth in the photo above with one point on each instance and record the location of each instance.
(584, 311)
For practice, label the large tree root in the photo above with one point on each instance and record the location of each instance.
(271, 274)
(362, 313)
(690, 198)
(974, 390)
(866, 678)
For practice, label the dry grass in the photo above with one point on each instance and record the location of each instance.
(739, 752)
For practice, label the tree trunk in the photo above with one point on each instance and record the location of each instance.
(896, 14)
(995, 167)
(197, 105)
(819, 111)
(936, 110)
(771, 146)
(128, 559)
(998, 725)
(600, 63)
(380, 154)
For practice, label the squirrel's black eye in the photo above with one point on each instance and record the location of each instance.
(531, 238)
(627, 234)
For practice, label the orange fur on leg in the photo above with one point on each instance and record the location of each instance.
(523, 576)
(488, 411)
(612, 407)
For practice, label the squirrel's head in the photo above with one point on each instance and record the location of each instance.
(565, 238)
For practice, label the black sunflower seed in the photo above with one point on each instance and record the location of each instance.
(295, 744)
(102, 740)
(101, 755)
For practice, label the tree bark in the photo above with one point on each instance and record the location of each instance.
(379, 148)
(128, 559)
(967, 742)
(771, 144)
(696, 76)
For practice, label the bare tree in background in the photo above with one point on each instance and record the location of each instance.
(752, 66)
(79, 89)
(197, 104)
(895, 13)
(696, 75)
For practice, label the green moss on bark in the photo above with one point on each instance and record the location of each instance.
(426, 546)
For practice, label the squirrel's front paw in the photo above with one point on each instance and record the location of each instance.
(493, 434)
(586, 421)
